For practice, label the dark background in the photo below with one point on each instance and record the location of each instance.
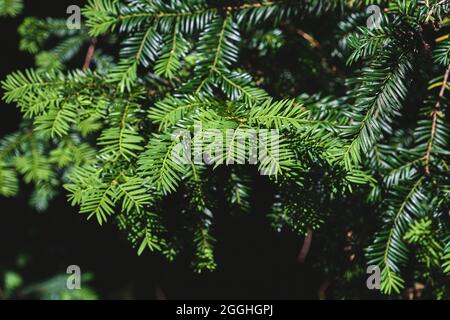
(253, 260)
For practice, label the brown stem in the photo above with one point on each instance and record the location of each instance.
(314, 43)
(323, 290)
(159, 294)
(311, 40)
(90, 54)
(305, 248)
(434, 117)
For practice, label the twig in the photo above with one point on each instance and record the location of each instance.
(159, 294)
(305, 248)
(323, 289)
(90, 54)
(434, 117)
(314, 43)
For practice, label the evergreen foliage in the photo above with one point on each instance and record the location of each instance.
(10, 8)
(110, 135)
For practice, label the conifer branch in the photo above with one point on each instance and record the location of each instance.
(434, 117)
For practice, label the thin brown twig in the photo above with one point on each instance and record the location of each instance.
(311, 40)
(434, 117)
(305, 248)
(323, 289)
(159, 294)
(90, 54)
(315, 44)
